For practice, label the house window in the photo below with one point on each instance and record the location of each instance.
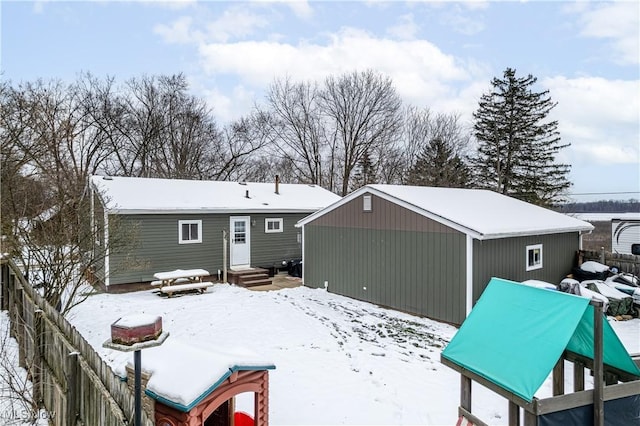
(366, 203)
(273, 225)
(534, 257)
(189, 231)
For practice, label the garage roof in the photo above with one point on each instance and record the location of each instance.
(480, 213)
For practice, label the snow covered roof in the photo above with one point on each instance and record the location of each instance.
(183, 375)
(149, 195)
(480, 213)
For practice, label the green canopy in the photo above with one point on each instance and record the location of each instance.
(515, 335)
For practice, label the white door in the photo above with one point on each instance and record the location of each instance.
(240, 241)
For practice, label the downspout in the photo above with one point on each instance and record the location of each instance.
(580, 233)
(92, 219)
(469, 276)
(303, 261)
(106, 248)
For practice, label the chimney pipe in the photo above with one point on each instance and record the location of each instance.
(246, 195)
(277, 184)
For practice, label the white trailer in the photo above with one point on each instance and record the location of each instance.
(625, 236)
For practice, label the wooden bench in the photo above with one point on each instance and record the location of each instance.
(200, 286)
(163, 283)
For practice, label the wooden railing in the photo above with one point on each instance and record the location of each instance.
(70, 380)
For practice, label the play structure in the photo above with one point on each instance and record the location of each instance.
(517, 335)
(186, 385)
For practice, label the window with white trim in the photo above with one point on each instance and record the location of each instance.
(366, 203)
(273, 225)
(534, 257)
(189, 231)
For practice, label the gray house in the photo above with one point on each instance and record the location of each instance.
(154, 225)
(431, 251)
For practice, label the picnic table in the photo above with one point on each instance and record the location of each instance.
(181, 280)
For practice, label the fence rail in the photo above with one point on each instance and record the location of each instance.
(70, 380)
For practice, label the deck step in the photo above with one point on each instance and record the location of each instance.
(249, 277)
(257, 282)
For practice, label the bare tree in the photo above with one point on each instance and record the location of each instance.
(436, 149)
(53, 146)
(363, 112)
(242, 141)
(296, 127)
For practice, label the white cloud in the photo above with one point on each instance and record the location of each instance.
(301, 8)
(467, 22)
(38, 6)
(617, 22)
(599, 117)
(418, 68)
(229, 106)
(235, 22)
(406, 29)
(171, 4)
(179, 31)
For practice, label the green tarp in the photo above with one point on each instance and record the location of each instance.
(515, 335)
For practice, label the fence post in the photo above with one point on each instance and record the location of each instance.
(4, 287)
(602, 256)
(38, 346)
(11, 282)
(20, 326)
(71, 368)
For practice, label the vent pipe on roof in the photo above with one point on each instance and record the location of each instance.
(246, 195)
(277, 184)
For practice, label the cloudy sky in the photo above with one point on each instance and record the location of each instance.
(440, 55)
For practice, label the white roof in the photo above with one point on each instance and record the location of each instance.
(480, 213)
(148, 195)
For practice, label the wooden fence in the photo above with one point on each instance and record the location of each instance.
(624, 262)
(70, 380)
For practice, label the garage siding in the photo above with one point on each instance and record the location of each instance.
(391, 256)
(506, 258)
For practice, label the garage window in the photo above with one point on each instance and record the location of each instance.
(366, 203)
(189, 231)
(534, 257)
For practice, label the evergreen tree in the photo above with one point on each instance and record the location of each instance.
(438, 165)
(365, 172)
(517, 146)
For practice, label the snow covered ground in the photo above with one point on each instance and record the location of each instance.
(338, 361)
(15, 389)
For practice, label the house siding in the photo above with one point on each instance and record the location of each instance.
(506, 258)
(390, 256)
(156, 245)
(270, 248)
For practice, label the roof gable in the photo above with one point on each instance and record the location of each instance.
(515, 334)
(150, 195)
(480, 213)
